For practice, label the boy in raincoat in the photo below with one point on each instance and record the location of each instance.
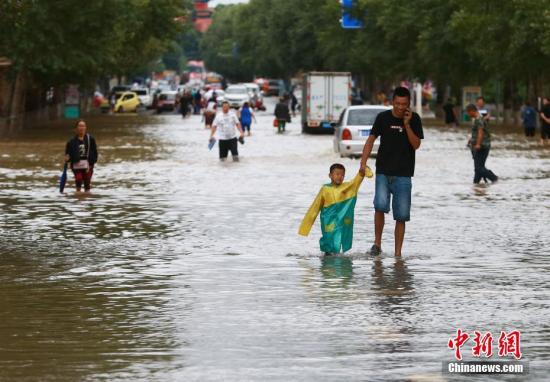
(336, 202)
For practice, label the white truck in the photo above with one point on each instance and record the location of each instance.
(325, 95)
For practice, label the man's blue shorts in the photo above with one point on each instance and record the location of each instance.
(400, 188)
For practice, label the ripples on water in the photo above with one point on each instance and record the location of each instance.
(178, 267)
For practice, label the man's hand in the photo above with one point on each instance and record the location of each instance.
(407, 117)
(362, 169)
(477, 147)
(67, 158)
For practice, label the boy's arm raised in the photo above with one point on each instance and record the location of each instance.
(311, 214)
(356, 182)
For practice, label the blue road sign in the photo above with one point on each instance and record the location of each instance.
(348, 21)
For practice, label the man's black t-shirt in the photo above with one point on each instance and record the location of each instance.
(396, 155)
(546, 111)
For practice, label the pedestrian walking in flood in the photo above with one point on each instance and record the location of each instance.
(226, 124)
(282, 114)
(197, 101)
(209, 113)
(186, 101)
(545, 121)
(450, 113)
(81, 154)
(482, 109)
(246, 116)
(293, 103)
(400, 131)
(480, 144)
(529, 119)
(336, 203)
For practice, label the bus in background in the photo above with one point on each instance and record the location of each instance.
(213, 81)
(195, 71)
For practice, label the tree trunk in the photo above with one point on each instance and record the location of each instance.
(16, 108)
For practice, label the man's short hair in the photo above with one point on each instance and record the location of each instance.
(471, 107)
(480, 98)
(337, 166)
(225, 102)
(401, 91)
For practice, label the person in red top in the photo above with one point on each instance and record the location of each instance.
(81, 153)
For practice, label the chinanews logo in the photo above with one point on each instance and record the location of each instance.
(508, 350)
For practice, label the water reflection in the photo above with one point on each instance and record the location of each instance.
(337, 271)
(392, 283)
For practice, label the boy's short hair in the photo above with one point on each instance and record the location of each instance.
(337, 166)
(401, 91)
(471, 107)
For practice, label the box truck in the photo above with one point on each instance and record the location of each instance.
(325, 95)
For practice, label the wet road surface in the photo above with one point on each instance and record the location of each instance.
(178, 267)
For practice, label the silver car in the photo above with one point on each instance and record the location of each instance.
(144, 97)
(237, 95)
(255, 94)
(354, 128)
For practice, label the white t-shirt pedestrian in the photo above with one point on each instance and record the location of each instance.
(211, 106)
(226, 125)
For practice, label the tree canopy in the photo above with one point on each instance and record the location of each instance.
(455, 42)
(71, 41)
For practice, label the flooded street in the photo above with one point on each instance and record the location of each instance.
(180, 268)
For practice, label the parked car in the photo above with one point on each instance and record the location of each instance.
(119, 89)
(237, 95)
(354, 128)
(255, 94)
(274, 87)
(166, 101)
(145, 97)
(127, 102)
(220, 96)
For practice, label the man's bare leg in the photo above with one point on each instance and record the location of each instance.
(378, 228)
(399, 237)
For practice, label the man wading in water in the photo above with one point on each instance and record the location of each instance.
(81, 153)
(400, 132)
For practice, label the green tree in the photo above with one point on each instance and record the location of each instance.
(63, 41)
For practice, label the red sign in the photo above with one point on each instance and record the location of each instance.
(509, 344)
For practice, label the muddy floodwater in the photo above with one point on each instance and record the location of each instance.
(181, 268)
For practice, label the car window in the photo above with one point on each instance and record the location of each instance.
(141, 92)
(119, 89)
(236, 91)
(362, 116)
(127, 97)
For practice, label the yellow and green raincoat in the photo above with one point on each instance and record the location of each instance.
(336, 204)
